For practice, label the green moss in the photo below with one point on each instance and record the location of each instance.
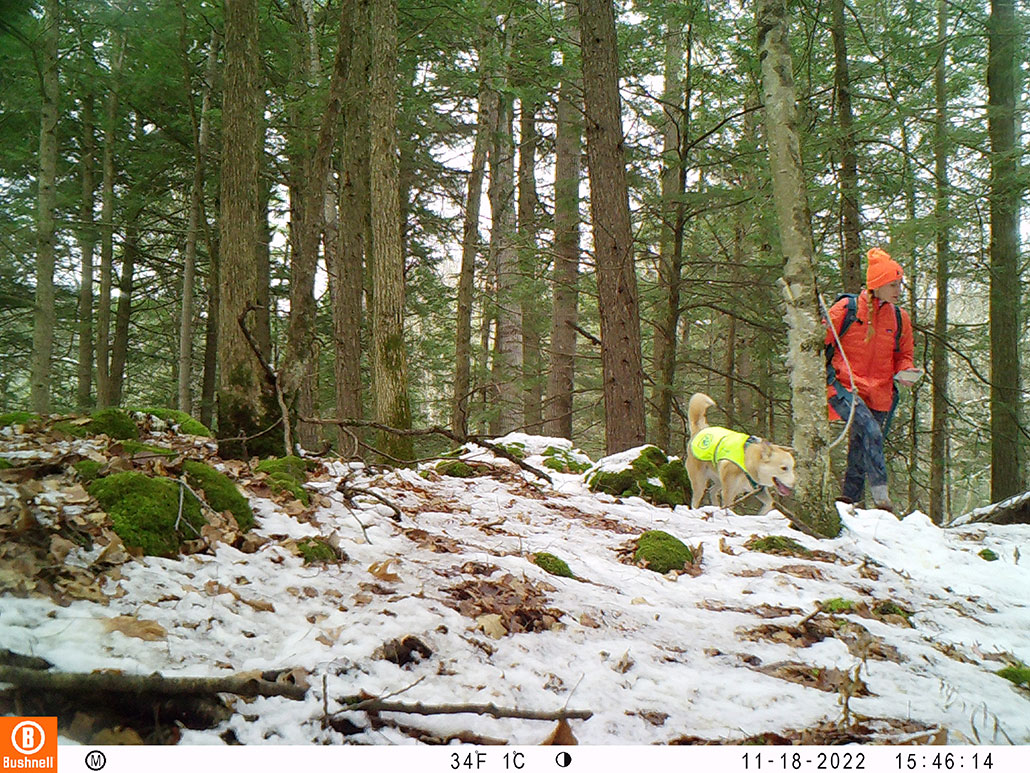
(885, 608)
(1018, 675)
(552, 564)
(220, 492)
(144, 511)
(563, 460)
(283, 481)
(837, 605)
(774, 544)
(113, 422)
(316, 551)
(455, 468)
(87, 469)
(17, 417)
(133, 447)
(662, 552)
(518, 450)
(187, 424)
(988, 555)
(651, 476)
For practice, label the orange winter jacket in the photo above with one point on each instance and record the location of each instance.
(874, 361)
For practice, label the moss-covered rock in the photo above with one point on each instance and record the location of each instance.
(134, 447)
(456, 468)
(661, 552)
(87, 469)
(317, 550)
(564, 460)
(551, 564)
(777, 545)
(887, 608)
(988, 555)
(837, 605)
(651, 475)
(220, 492)
(287, 473)
(516, 449)
(144, 511)
(17, 417)
(185, 423)
(1018, 675)
(5, 464)
(113, 422)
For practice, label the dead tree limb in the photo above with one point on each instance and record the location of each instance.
(460, 440)
(374, 705)
(244, 684)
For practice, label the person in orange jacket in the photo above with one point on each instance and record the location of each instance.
(872, 357)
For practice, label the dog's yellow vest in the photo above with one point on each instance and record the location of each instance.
(713, 444)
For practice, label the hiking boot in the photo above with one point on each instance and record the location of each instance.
(885, 504)
(845, 500)
(881, 500)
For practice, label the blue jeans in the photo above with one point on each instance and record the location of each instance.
(865, 449)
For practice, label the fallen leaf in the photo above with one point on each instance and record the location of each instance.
(492, 626)
(562, 735)
(381, 570)
(147, 630)
(76, 495)
(60, 548)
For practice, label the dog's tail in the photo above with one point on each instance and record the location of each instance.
(696, 410)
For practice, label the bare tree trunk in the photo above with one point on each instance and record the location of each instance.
(532, 391)
(123, 314)
(200, 142)
(507, 364)
(248, 418)
(103, 348)
(805, 328)
(209, 381)
(87, 238)
(1007, 439)
(621, 358)
(389, 356)
(939, 382)
(676, 105)
(565, 280)
(850, 223)
(471, 243)
(45, 315)
(346, 272)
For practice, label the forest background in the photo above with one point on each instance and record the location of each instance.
(380, 212)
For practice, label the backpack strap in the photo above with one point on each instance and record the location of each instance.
(850, 315)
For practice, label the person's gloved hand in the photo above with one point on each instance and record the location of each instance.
(909, 377)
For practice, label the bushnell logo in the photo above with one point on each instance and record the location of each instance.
(28, 743)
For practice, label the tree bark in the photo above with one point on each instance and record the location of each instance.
(507, 364)
(939, 378)
(87, 238)
(621, 358)
(346, 272)
(200, 141)
(389, 356)
(45, 315)
(805, 328)
(248, 413)
(103, 348)
(1007, 432)
(471, 242)
(565, 278)
(850, 218)
(123, 314)
(532, 389)
(676, 105)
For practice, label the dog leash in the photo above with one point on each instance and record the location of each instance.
(851, 374)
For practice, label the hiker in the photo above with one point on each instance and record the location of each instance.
(871, 353)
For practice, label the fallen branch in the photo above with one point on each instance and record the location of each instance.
(498, 450)
(271, 374)
(247, 685)
(376, 705)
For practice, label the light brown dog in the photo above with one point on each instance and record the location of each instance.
(735, 462)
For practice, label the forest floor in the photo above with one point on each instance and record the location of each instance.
(893, 632)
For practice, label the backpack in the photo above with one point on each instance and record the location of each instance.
(850, 315)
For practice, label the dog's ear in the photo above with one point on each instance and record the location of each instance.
(767, 449)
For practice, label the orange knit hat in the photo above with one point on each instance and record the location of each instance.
(882, 270)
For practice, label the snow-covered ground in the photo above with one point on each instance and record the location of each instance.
(657, 659)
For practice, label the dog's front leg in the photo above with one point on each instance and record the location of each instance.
(766, 499)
